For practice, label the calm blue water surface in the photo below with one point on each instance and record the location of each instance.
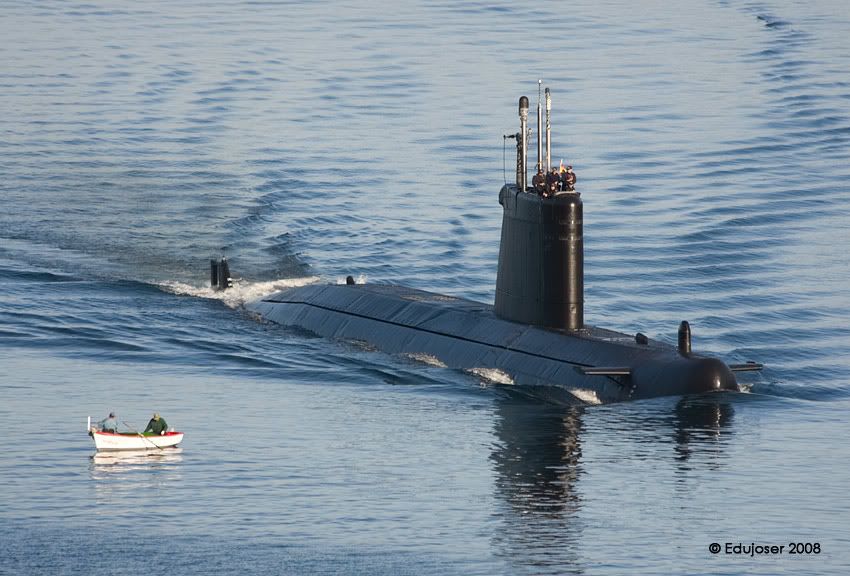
(315, 140)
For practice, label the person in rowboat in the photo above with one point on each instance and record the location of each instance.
(109, 424)
(157, 425)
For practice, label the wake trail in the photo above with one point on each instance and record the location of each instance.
(243, 292)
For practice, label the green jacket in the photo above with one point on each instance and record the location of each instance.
(156, 426)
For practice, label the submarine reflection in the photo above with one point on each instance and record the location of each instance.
(538, 454)
(539, 465)
(537, 459)
(701, 424)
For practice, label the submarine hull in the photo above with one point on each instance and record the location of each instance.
(535, 333)
(467, 335)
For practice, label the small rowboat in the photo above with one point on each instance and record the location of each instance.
(112, 441)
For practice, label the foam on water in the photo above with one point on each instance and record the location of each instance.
(426, 359)
(242, 292)
(586, 396)
(360, 279)
(492, 375)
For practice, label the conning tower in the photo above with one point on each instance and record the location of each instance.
(540, 279)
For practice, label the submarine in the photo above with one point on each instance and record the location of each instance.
(534, 332)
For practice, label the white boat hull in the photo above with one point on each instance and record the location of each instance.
(109, 442)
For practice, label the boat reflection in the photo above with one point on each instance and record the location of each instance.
(137, 465)
(131, 458)
(118, 472)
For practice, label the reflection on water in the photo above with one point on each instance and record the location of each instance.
(119, 461)
(702, 423)
(537, 456)
(142, 474)
(539, 464)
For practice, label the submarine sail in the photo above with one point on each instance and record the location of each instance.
(535, 331)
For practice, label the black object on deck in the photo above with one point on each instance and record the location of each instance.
(220, 274)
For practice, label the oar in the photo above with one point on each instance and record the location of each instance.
(142, 436)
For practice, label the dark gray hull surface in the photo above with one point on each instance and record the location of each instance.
(535, 334)
(467, 335)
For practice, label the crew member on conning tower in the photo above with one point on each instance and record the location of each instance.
(569, 179)
(539, 182)
(553, 183)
